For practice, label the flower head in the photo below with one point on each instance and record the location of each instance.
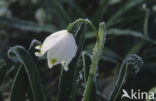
(60, 47)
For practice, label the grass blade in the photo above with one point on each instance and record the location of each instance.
(118, 32)
(26, 25)
(126, 7)
(18, 90)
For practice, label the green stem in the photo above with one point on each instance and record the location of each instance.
(87, 21)
(97, 51)
(89, 85)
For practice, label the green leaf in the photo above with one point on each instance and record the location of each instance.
(19, 86)
(100, 11)
(32, 46)
(62, 10)
(3, 65)
(86, 68)
(32, 50)
(109, 55)
(31, 70)
(2, 69)
(26, 25)
(118, 32)
(128, 5)
(21, 77)
(131, 62)
(115, 31)
(86, 64)
(67, 77)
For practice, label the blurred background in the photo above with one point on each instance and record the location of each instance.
(131, 28)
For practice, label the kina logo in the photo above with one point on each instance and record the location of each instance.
(125, 94)
(138, 95)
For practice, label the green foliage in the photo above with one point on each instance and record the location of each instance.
(137, 63)
(130, 30)
(32, 74)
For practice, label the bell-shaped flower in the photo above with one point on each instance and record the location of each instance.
(60, 47)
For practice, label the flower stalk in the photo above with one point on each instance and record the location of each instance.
(86, 21)
(97, 51)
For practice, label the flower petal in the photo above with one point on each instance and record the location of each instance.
(52, 62)
(52, 40)
(63, 51)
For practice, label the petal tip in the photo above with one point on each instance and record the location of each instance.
(50, 66)
(52, 62)
(66, 68)
(38, 54)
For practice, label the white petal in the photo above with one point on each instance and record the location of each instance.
(66, 68)
(38, 47)
(38, 54)
(63, 51)
(52, 40)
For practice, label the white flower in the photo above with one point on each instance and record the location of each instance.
(60, 47)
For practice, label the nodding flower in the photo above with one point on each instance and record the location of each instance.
(61, 48)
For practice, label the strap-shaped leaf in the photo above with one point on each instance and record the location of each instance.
(128, 5)
(119, 32)
(86, 66)
(130, 62)
(26, 25)
(31, 70)
(67, 78)
(18, 90)
(2, 64)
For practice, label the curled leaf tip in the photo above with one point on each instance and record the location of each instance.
(134, 60)
(12, 51)
(35, 41)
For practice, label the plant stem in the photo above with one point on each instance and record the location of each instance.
(89, 85)
(86, 21)
(97, 51)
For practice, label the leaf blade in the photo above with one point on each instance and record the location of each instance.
(31, 70)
